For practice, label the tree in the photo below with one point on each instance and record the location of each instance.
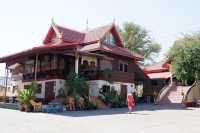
(76, 85)
(185, 57)
(137, 39)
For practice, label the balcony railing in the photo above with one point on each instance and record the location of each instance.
(17, 77)
(91, 74)
(44, 74)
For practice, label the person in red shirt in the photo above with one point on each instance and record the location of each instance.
(130, 102)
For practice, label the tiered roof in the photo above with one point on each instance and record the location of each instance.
(87, 41)
(158, 70)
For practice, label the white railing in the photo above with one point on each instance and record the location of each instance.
(163, 92)
(17, 77)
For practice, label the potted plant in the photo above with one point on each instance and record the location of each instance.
(61, 96)
(24, 98)
(76, 86)
(25, 95)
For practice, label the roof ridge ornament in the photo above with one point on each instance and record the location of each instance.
(55, 28)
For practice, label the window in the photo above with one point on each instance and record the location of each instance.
(15, 88)
(123, 67)
(27, 86)
(85, 65)
(54, 62)
(39, 88)
(61, 63)
(105, 88)
(109, 39)
(92, 65)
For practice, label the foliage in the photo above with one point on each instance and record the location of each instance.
(89, 105)
(137, 39)
(61, 93)
(117, 102)
(185, 57)
(26, 94)
(76, 85)
(112, 98)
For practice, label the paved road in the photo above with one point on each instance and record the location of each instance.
(145, 119)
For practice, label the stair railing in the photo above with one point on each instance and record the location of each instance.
(195, 84)
(163, 92)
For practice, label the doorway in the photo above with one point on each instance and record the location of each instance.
(124, 92)
(49, 91)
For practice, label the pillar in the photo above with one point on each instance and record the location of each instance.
(36, 66)
(171, 78)
(6, 81)
(76, 62)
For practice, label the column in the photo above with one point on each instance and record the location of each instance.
(171, 78)
(76, 62)
(6, 81)
(36, 66)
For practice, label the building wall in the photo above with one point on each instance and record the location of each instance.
(118, 76)
(96, 85)
(59, 84)
(140, 77)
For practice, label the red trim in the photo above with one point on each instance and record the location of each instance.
(115, 33)
(40, 49)
(48, 36)
(156, 71)
(43, 79)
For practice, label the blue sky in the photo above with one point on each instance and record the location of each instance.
(24, 23)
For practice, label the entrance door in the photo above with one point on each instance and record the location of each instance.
(124, 92)
(49, 91)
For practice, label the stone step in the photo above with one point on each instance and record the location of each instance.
(8, 106)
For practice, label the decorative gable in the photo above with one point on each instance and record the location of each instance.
(109, 39)
(55, 39)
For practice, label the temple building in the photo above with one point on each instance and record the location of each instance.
(90, 54)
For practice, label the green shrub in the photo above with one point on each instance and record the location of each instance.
(26, 94)
(76, 85)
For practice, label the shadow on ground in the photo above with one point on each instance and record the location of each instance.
(116, 111)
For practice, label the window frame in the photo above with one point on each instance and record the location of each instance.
(122, 67)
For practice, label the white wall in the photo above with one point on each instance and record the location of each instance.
(59, 84)
(96, 85)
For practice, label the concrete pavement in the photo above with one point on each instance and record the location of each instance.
(144, 119)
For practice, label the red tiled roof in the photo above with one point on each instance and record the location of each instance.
(111, 49)
(90, 36)
(161, 75)
(39, 49)
(157, 67)
(70, 35)
(97, 33)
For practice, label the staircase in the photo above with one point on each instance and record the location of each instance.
(174, 95)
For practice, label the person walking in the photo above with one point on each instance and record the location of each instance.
(130, 102)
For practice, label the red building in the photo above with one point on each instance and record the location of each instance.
(88, 53)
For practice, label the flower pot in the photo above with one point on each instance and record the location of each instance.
(21, 107)
(27, 108)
